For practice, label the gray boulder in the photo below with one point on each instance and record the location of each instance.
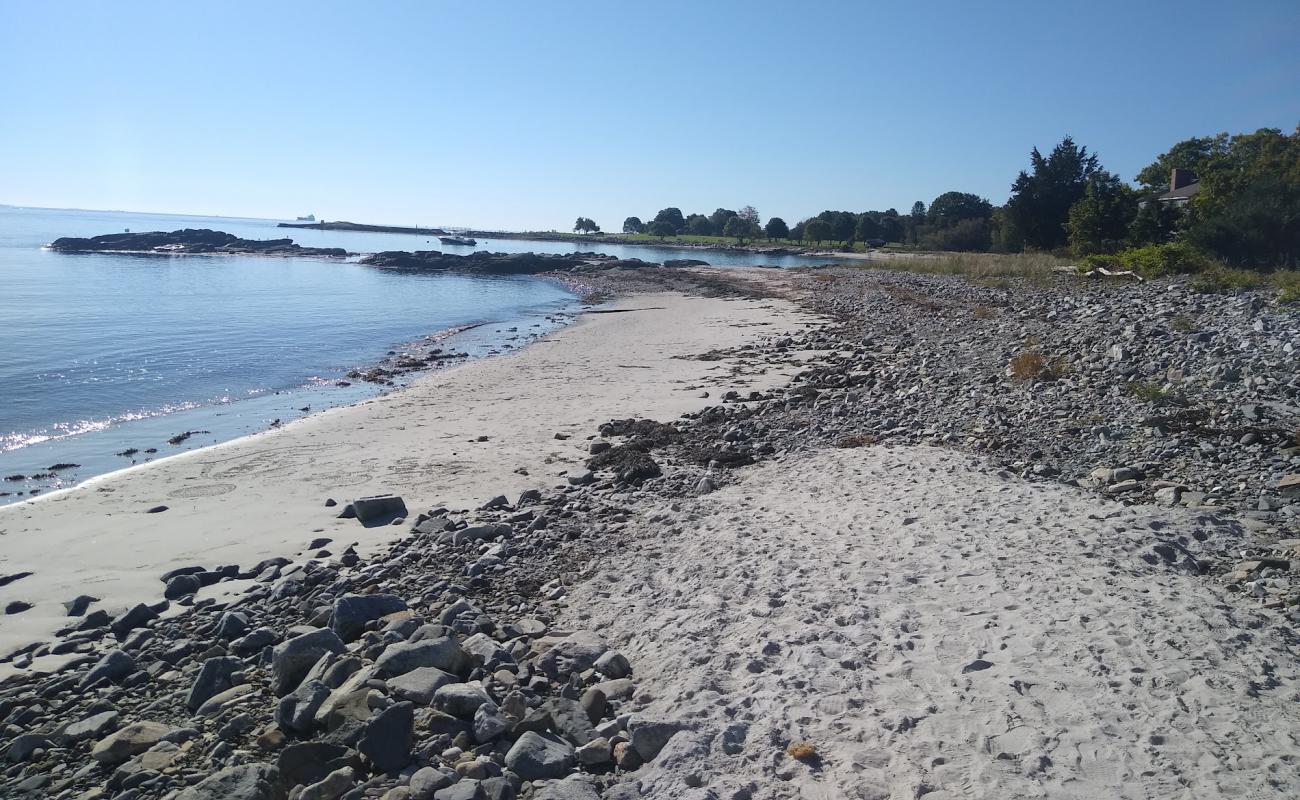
(244, 782)
(95, 726)
(419, 685)
(461, 700)
(353, 611)
(290, 660)
(576, 653)
(386, 740)
(427, 780)
(114, 666)
(443, 653)
(215, 677)
(536, 756)
(297, 710)
(137, 617)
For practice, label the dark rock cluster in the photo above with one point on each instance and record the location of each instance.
(190, 241)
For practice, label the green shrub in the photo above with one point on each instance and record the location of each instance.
(1155, 260)
(1152, 261)
(1288, 284)
(1150, 392)
(1221, 280)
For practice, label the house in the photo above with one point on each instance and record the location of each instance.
(1183, 186)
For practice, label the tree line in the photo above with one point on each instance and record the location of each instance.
(1246, 211)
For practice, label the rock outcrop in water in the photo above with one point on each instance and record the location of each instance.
(483, 263)
(190, 240)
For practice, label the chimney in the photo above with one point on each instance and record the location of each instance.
(1178, 178)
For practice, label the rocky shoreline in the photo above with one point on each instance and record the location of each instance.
(435, 670)
(191, 241)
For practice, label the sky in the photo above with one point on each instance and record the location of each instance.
(525, 115)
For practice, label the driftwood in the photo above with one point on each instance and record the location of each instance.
(1102, 272)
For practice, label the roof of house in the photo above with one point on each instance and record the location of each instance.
(1183, 193)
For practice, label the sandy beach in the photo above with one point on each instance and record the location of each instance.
(934, 627)
(264, 495)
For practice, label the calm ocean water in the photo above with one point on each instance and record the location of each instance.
(100, 353)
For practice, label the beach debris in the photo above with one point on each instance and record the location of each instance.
(181, 437)
(156, 510)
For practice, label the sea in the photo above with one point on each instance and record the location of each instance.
(106, 359)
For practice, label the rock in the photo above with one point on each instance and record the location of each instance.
(1167, 496)
(1289, 485)
(443, 653)
(309, 762)
(378, 508)
(574, 787)
(243, 782)
(182, 585)
(595, 704)
(597, 751)
(612, 664)
(570, 720)
(114, 666)
(536, 756)
(386, 741)
(255, 641)
(215, 676)
(420, 684)
(133, 618)
(331, 787)
(22, 747)
(427, 780)
(290, 660)
(649, 736)
(464, 790)
(297, 710)
(131, 740)
(576, 653)
(95, 726)
(489, 723)
(78, 605)
(218, 702)
(353, 611)
(17, 607)
(461, 700)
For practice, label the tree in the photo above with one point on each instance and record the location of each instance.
(918, 212)
(950, 208)
(699, 225)
(749, 214)
(741, 228)
(1194, 154)
(868, 227)
(842, 225)
(797, 230)
(586, 225)
(719, 219)
(817, 230)
(971, 234)
(1154, 223)
(1099, 222)
(776, 229)
(1248, 208)
(673, 216)
(633, 225)
(662, 228)
(1041, 200)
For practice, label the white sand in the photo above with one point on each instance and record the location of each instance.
(838, 598)
(264, 495)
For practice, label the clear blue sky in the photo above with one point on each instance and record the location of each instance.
(528, 114)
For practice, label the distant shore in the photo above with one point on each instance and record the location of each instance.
(556, 236)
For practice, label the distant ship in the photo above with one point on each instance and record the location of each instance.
(308, 218)
(460, 240)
